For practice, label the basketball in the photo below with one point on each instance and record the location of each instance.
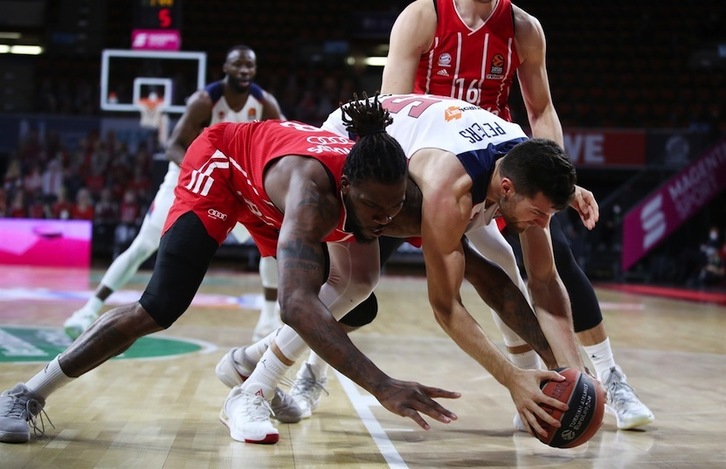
(584, 417)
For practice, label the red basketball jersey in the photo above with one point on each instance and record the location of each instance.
(476, 66)
(222, 176)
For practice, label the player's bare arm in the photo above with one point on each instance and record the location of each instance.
(311, 210)
(271, 108)
(196, 116)
(550, 298)
(499, 292)
(533, 80)
(412, 35)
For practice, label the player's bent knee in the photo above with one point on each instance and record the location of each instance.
(142, 247)
(184, 255)
(362, 314)
(132, 321)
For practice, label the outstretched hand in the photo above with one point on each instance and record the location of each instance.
(411, 399)
(528, 397)
(586, 205)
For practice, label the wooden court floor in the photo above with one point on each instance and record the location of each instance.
(162, 412)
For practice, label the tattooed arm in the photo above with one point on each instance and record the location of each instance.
(312, 209)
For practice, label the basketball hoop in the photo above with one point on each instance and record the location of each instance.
(151, 109)
(153, 116)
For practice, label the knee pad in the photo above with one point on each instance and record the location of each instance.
(362, 314)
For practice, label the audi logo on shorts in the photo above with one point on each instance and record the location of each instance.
(217, 214)
(328, 140)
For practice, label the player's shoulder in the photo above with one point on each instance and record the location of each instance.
(423, 6)
(200, 99)
(525, 23)
(215, 90)
(420, 10)
(528, 31)
(259, 93)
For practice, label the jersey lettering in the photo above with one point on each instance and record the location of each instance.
(299, 126)
(417, 104)
(470, 94)
(478, 132)
(201, 180)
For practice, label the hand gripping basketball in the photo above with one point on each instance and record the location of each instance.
(586, 400)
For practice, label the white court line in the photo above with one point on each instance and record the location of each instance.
(362, 404)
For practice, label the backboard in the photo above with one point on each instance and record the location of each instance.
(130, 75)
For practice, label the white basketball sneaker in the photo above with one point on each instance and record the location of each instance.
(233, 373)
(248, 418)
(79, 321)
(623, 403)
(306, 390)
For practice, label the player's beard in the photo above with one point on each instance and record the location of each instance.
(238, 87)
(354, 225)
(507, 203)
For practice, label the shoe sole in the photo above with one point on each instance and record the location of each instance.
(7, 437)
(269, 439)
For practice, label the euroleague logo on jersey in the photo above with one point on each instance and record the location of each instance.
(497, 67)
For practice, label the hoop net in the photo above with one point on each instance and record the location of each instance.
(153, 116)
(151, 110)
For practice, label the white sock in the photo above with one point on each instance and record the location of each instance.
(527, 360)
(255, 351)
(318, 366)
(269, 371)
(94, 304)
(48, 379)
(601, 356)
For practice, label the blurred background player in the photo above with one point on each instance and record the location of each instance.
(436, 48)
(234, 98)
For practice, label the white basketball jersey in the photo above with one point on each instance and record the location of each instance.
(475, 136)
(221, 112)
(427, 121)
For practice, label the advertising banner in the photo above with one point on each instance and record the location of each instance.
(49, 243)
(664, 210)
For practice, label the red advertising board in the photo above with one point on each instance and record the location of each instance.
(606, 148)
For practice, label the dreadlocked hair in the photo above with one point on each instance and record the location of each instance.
(541, 165)
(376, 155)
